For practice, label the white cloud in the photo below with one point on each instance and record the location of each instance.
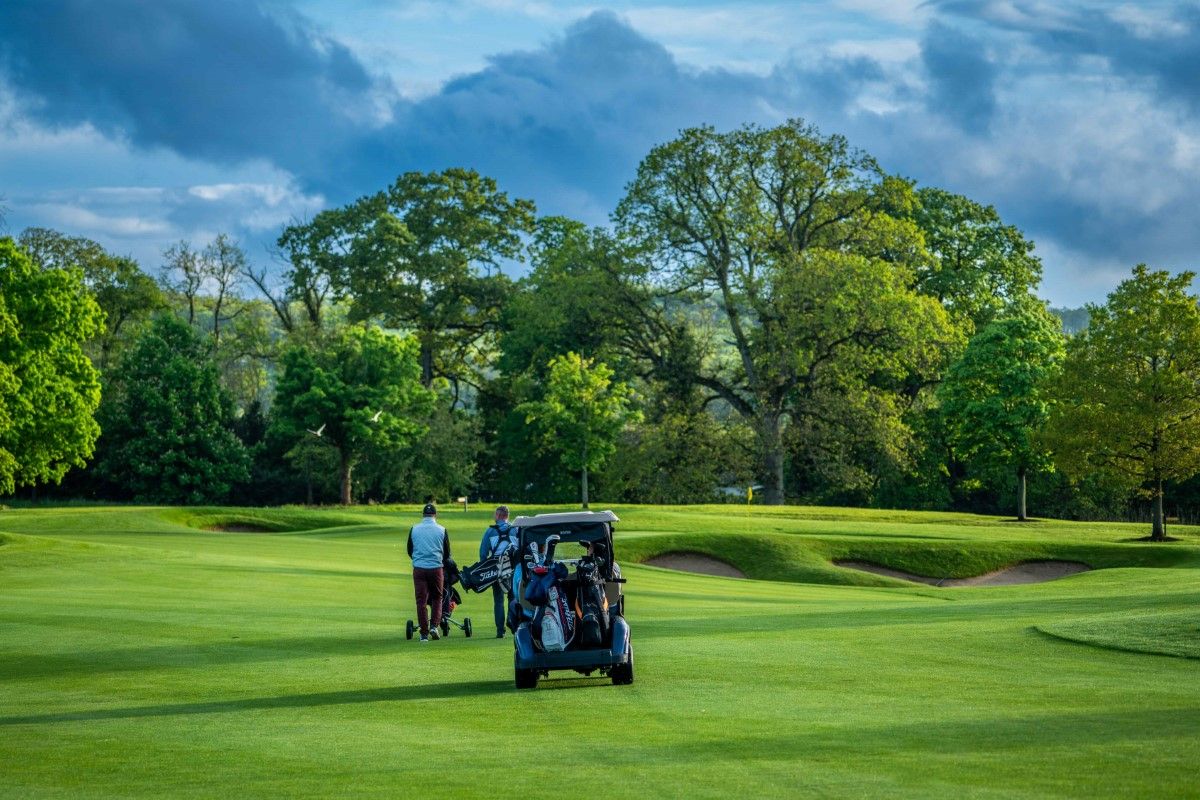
(79, 220)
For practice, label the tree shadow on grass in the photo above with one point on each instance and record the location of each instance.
(197, 654)
(384, 694)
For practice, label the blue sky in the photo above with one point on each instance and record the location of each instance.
(138, 123)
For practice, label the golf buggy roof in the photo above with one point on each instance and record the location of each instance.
(573, 526)
(565, 518)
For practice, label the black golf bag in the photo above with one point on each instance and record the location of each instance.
(591, 603)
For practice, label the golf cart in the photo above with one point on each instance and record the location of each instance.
(566, 580)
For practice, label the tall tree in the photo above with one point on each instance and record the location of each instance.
(772, 224)
(1128, 400)
(994, 396)
(168, 434)
(224, 264)
(184, 273)
(425, 256)
(124, 293)
(49, 389)
(581, 414)
(358, 391)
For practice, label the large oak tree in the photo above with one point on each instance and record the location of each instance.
(795, 237)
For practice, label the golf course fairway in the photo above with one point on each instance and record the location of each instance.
(166, 652)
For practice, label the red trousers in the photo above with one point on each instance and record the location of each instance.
(429, 585)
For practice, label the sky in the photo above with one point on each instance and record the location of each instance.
(139, 123)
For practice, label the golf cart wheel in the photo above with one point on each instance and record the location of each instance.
(526, 678)
(408, 630)
(467, 627)
(445, 628)
(622, 674)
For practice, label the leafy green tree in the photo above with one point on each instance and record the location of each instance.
(440, 463)
(581, 415)
(788, 232)
(423, 256)
(127, 295)
(977, 265)
(993, 397)
(49, 389)
(1128, 400)
(167, 425)
(681, 455)
(358, 392)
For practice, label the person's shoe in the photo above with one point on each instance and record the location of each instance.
(424, 640)
(435, 634)
(499, 634)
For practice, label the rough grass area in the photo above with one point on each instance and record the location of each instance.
(1168, 634)
(143, 657)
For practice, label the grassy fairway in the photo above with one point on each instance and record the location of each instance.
(143, 656)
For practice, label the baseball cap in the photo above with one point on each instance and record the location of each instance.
(430, 510)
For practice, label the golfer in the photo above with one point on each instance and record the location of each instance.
(429, 547)
(497, 540)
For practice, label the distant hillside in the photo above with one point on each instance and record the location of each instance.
(1073, 319)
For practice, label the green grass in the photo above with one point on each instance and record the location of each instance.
(143, 656)
(1169, 634)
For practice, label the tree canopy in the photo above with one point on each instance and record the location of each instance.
(167, 423)
(356, 392)
(49, 389)
(769, 223)
(581, 414)
(1128, 400)
(425, 255)
(994, 396)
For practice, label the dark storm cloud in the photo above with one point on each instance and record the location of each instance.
(962, 79)
(1000, 104)
(222, 81)
(571, 119)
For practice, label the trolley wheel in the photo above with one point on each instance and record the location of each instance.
(467, 627)
(408, 630)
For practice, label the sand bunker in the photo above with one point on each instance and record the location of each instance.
(695, 562)
(1027, 572)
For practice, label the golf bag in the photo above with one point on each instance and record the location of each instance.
(553, 621)
(591, 603)
(493, 569)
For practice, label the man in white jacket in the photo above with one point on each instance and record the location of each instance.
(429, 547)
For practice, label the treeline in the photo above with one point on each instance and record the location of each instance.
(769, 308)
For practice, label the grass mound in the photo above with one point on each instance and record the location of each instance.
(1168, 634)
(264, 520)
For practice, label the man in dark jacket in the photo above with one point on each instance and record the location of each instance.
(429, 547)
(497, 540)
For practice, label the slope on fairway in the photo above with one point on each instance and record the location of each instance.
(141, 656)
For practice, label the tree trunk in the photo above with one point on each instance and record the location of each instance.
(1158, 532)
(583, 478)
(426, 363)
(347, 481)
(1021, 495)
(771, 431)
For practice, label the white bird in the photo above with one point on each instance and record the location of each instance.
(376, 417)
(319, 431)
